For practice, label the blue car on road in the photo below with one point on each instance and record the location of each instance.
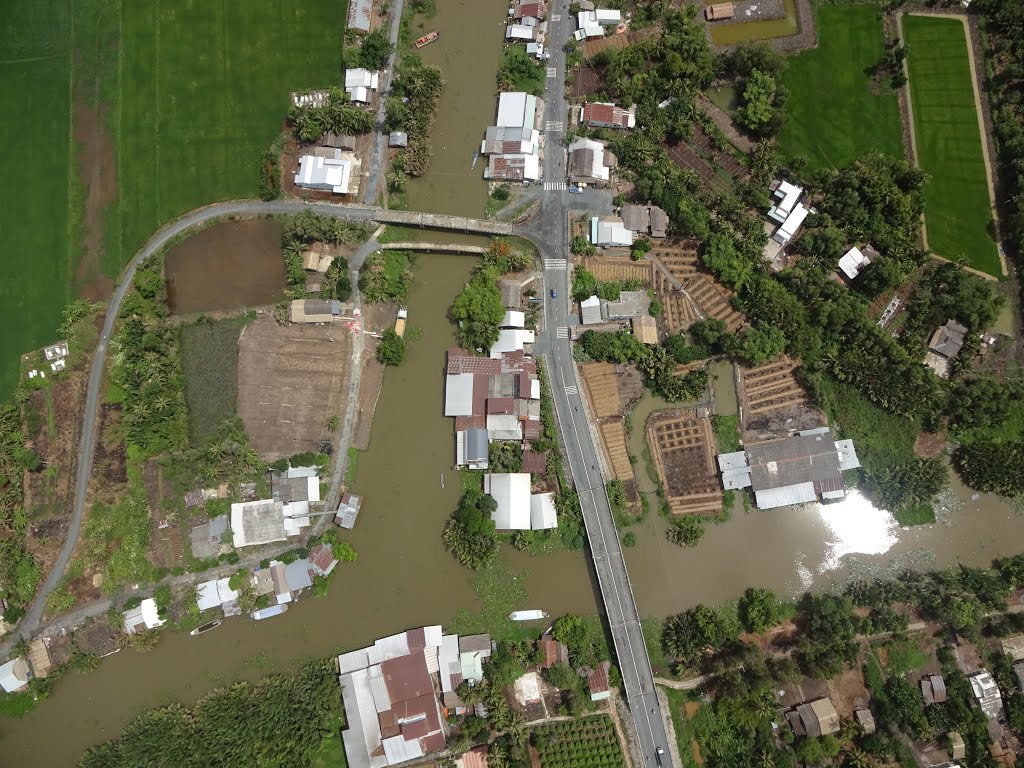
(554, 295)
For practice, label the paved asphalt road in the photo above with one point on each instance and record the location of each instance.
(550, 230)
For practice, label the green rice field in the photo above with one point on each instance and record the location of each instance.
(958, 215)
(35, 268)
(834, 117)
(187, 94)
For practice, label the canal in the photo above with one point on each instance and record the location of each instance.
(467, 51)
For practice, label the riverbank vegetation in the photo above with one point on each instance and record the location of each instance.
(386, 276)
(278, 721)
(519, 71)
(412, 107)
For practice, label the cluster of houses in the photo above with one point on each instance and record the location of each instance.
(804, 467)
(397, 693)
(527, 25)
(632, 306)
(491, 398)
(788, 211)
(497, 398)
(400, 692)
(56, 357)
(513, 144)
(633, 221)
(595, 22)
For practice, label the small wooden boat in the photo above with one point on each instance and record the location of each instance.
(527, 615)
(266, 613)
(206, 627)
(427, 38)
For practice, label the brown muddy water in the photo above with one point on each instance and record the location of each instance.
(403, 577)
(230, 265)
(467, 51)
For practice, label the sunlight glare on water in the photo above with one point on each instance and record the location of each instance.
(855, 526)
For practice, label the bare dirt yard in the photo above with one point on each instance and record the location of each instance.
(290, 383)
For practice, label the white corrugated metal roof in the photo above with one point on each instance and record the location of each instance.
(398, 750)
(784, 496)
(847, 455)
(512, 492)
(504, 426)
(542, 511)
(208, 597)
(292, 472)
(379, 689)
(513, 319)
(448, 655)
(852, 262)
(458, 394)
(511, 340)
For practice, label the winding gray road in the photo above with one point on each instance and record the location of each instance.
(31, 621)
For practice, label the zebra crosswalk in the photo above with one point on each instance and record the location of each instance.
(562, 332)
(571, 390)
(555, 264)
(554, 126)
(552, 72)
(555, 185)
(556, 17)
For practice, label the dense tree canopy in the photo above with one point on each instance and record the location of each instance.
(470, 533)
(478, 310)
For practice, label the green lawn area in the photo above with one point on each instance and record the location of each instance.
(957, 211)
(209, 357)
(35, 271)
(834, 117)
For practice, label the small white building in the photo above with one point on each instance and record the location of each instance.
(142, 617)
(360, 84)
(512, 492)
(788, 212)
(520, 33)
(14, 674)
(986, 691)
(610, 232)
(517, 109)
(853, 262)
(329, 170)
(590, 311)
(513, 319)
(542, 511)
(215, 593)
(511, 340)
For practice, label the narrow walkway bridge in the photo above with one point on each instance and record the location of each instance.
(435, 247)
(440, 221)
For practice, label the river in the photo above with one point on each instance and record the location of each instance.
(403, 576)
(467, 51)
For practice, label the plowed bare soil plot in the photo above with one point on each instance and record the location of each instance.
(729, 163)
(772, 386)
(608, 268)
(683, 448)
(602, 390)
(713, 300)
(586, 82)
(230, 265)
(678, 256)
(687, 158)
(613, 433)
(291, 380)
(772, 400)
